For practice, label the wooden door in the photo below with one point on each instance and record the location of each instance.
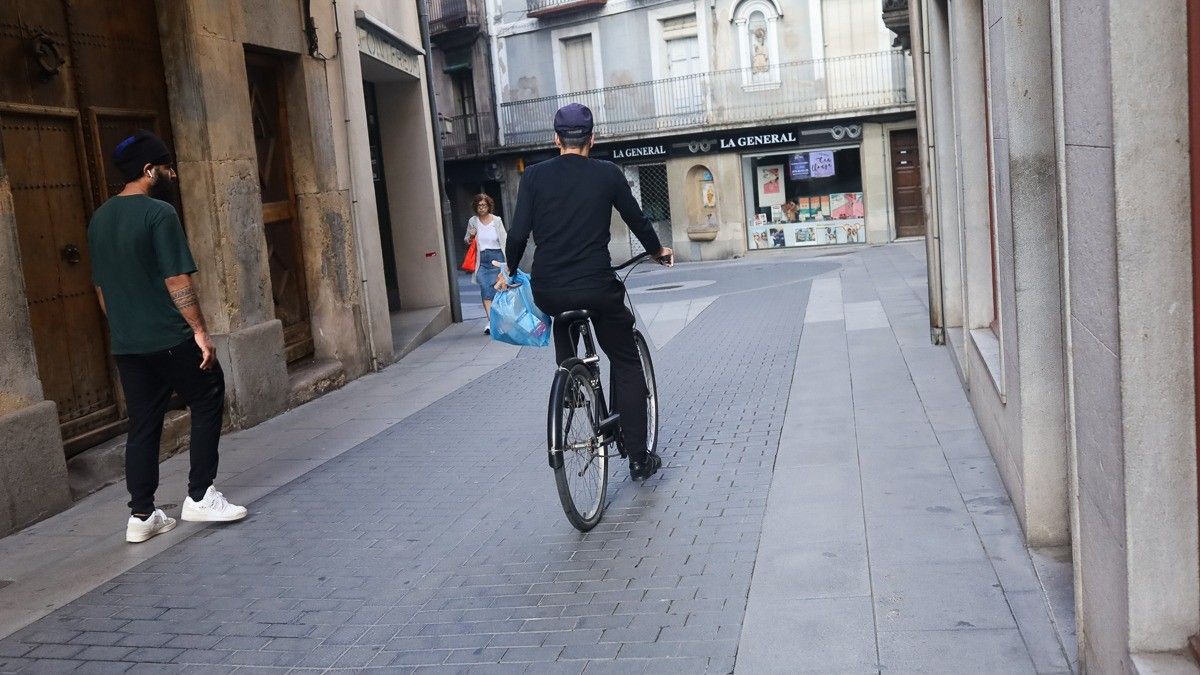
(75, 78)
(906, 184)
(268, 112)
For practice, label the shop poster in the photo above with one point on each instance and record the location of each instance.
(820, 163)
(827, 233)
(798, 166)
(760, 237)
(846, 205)
(770, 186)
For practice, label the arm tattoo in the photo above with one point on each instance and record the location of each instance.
(185, 297)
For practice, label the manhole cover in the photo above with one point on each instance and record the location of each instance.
(677, 286)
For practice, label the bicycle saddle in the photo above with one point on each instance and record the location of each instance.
(574, 315)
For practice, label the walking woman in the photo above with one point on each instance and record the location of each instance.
(490, 238)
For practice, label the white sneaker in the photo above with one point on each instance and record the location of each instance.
(138, 530)
(214, 508)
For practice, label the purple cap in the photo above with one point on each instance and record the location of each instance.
(573, 121)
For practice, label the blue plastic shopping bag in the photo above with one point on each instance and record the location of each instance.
(515, 319)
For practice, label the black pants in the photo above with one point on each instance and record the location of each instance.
(614, 331)
(148, 380)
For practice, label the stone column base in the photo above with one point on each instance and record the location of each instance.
(256, 379)
(33, 468)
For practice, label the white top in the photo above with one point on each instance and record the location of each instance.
(486, 234)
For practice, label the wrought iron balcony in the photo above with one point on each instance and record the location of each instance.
(452, 16)
(783, 92)
(468, 135)
(540, 8)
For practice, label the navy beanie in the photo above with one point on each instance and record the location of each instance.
(140, 149)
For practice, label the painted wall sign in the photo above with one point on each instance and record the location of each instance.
(757, 140)
(377, 47)
(674, 147)
(640, 151)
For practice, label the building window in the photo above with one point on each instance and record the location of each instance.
(681, 46)
(579, 68)
(464, 93)
(755, 23)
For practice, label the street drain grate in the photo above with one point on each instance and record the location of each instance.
(668, 287)
(5, 582)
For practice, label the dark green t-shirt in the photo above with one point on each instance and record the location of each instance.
(136, 242)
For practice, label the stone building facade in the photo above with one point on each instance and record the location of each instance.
(1062, 261)
(719, 112)
(283, 199)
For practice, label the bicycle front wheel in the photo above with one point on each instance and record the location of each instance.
(651, 392)
(582, 477)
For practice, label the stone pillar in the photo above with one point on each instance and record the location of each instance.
(333, 279)
(1151, 175)
(222, 208)
(1035, 278)
(876, 189)
(33, 469)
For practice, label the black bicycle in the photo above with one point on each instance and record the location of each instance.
(580, 430)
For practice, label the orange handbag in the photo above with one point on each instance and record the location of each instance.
(470, 260)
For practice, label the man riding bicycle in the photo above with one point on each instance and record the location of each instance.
(566, 204)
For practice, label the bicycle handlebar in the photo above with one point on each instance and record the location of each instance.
(635, 260)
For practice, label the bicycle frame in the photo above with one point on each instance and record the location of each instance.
(591, 360)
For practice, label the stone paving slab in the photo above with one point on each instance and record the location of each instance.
(439, 540)
(825, 508)
(67, 555)
(912, 539)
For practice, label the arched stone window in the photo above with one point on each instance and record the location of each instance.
(756, 24)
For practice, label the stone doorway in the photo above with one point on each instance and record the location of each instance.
(265, 76)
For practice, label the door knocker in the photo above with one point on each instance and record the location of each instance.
(47, 55)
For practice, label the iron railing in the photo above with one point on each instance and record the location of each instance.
(468, 135)
(449, 15)
(777, 93)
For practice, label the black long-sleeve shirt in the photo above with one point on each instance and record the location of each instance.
(566, 204)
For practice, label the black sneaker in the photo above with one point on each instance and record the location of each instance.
(645, 468)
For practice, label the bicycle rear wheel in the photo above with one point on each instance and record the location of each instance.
(651, 391)
(582, 478)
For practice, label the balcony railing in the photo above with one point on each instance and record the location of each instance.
(777, 93)
(468, 135)
(446, 16)
(538, 8)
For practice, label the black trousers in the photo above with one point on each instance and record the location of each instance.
(614, 332)
(148, 380)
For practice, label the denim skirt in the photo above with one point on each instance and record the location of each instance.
(487, 274)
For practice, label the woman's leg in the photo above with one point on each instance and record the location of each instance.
(487, 307)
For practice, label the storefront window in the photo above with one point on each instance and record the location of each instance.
(806, 198)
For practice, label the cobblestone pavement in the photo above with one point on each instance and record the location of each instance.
(438, 545)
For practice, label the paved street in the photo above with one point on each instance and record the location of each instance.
(827, 505)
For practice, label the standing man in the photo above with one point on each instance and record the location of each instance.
(566, 204)
(142, 268)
